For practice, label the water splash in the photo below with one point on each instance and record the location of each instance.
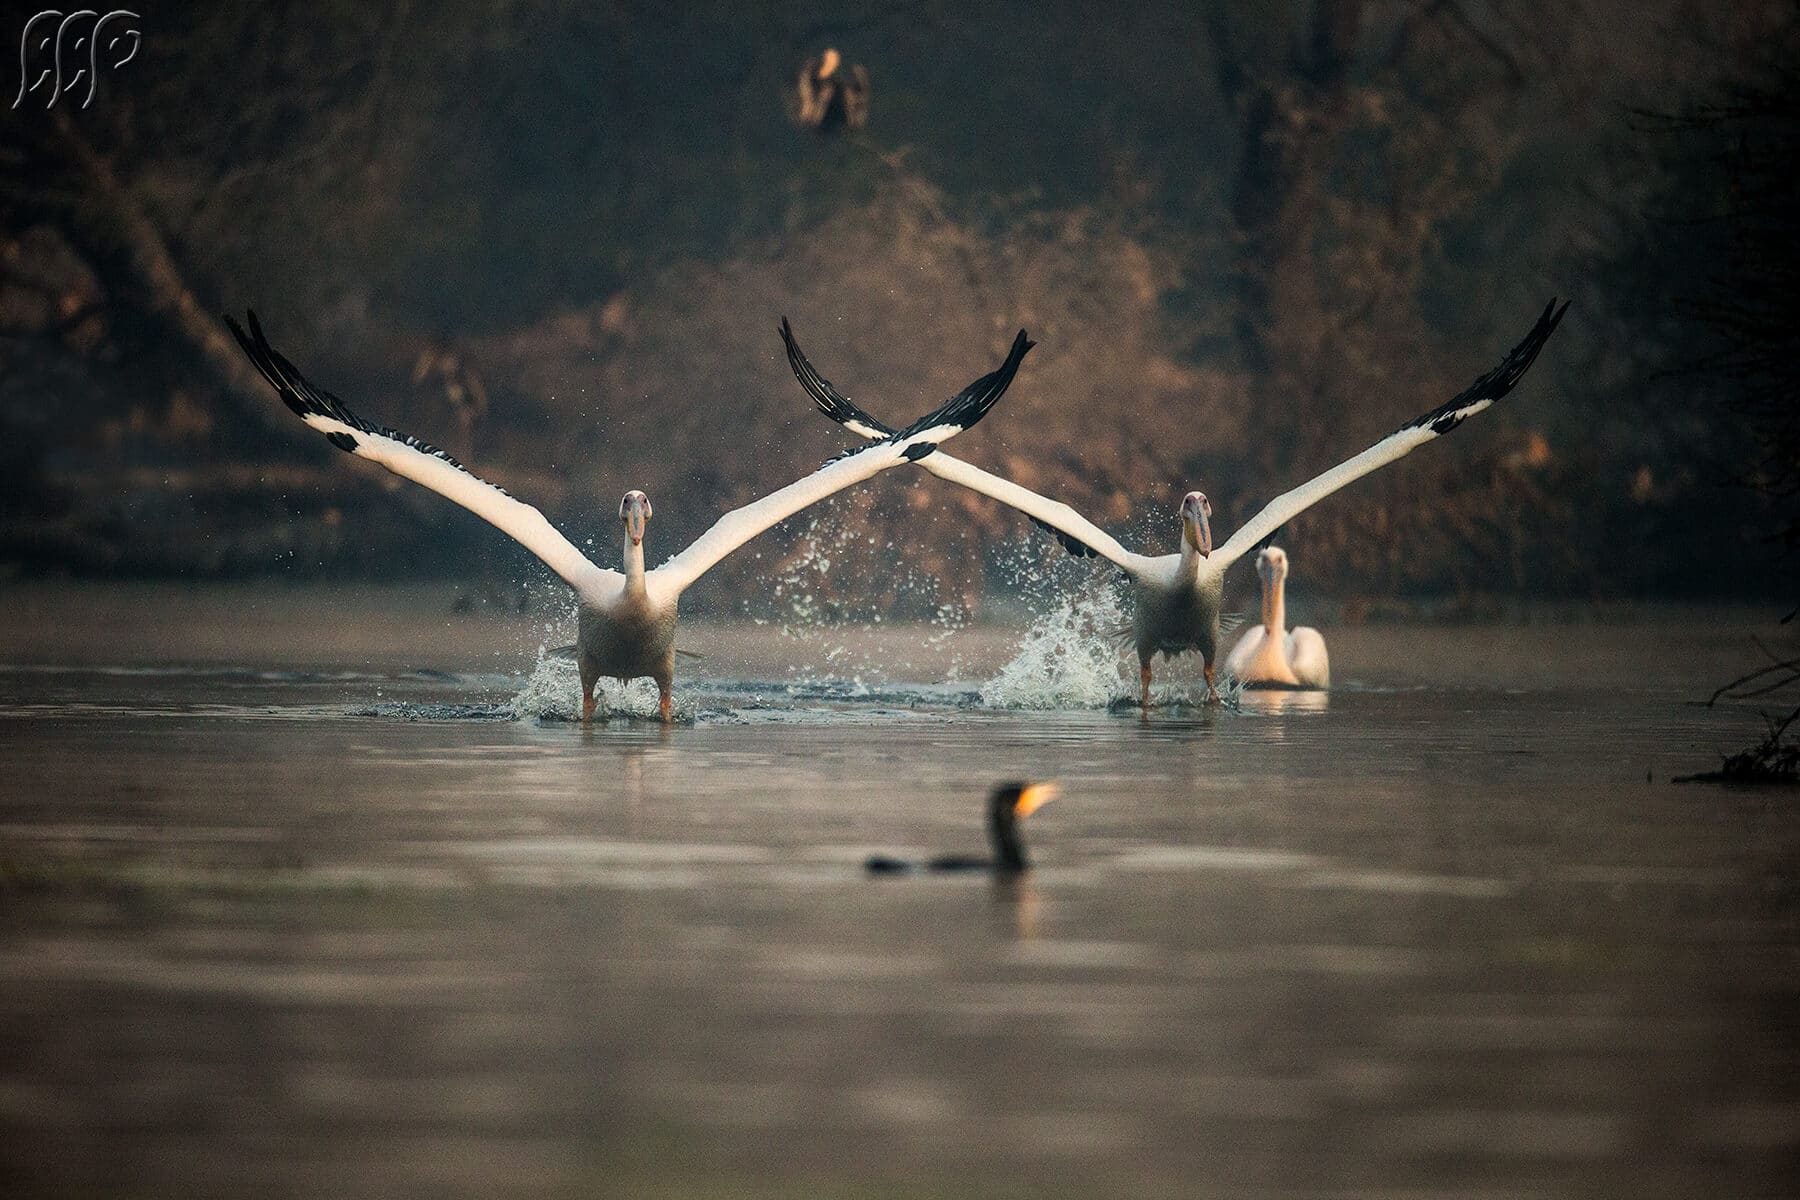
(1074, 655)
(812, 606)
(1069, 658)
(553, 693)
(402, 710)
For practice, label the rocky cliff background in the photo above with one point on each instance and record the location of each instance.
(557, 240)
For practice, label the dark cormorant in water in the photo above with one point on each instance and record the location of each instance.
(1009, 804)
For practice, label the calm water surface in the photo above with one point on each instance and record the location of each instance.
(292, 912)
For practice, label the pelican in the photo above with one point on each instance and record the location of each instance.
(1268, 655)
(1177, 596)
(626, 626)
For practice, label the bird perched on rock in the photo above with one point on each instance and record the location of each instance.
(832, 95)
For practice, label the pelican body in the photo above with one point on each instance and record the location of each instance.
(626, 632)
(1177, 597)
(1270, 656)
(626, 618)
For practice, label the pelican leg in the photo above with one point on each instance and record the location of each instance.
(1144, 684)
(666, 687)
(589, 677)
(1212, 693)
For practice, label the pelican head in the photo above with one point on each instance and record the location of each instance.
(634, 511)
(829, 65)
(1272, 565)
(1196, 522)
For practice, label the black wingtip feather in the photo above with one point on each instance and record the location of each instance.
(307, 400)
(256, 349)
(964, 409)
(1499, 381)
(968, 406)
(829, 400)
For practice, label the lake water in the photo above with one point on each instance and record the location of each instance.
(309, 893)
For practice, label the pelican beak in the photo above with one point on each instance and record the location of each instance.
(1196, 522)
(1034, 797)
(635, 512)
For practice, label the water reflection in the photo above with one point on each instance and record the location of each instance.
(1260, 953)
(1283, 700)
(1017, 895)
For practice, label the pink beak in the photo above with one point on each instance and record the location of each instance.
(1196, 513)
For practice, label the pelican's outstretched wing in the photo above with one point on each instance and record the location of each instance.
(1403, 441)
(916, 442)
(420, 462)
(1078, 535)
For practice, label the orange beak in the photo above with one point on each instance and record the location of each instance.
(1034, 797)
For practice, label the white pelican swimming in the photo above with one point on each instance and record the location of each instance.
(626, 626)
(1177, 595)
(1270, 656)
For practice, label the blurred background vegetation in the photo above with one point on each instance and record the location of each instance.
(556, 237)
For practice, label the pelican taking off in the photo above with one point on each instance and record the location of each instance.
(1177, 596)
(626, 624)
(1268, 655)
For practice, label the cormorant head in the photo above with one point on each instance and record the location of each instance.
(1196, 522)
(1272, 565)
(1009, 804)
(634, 511)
